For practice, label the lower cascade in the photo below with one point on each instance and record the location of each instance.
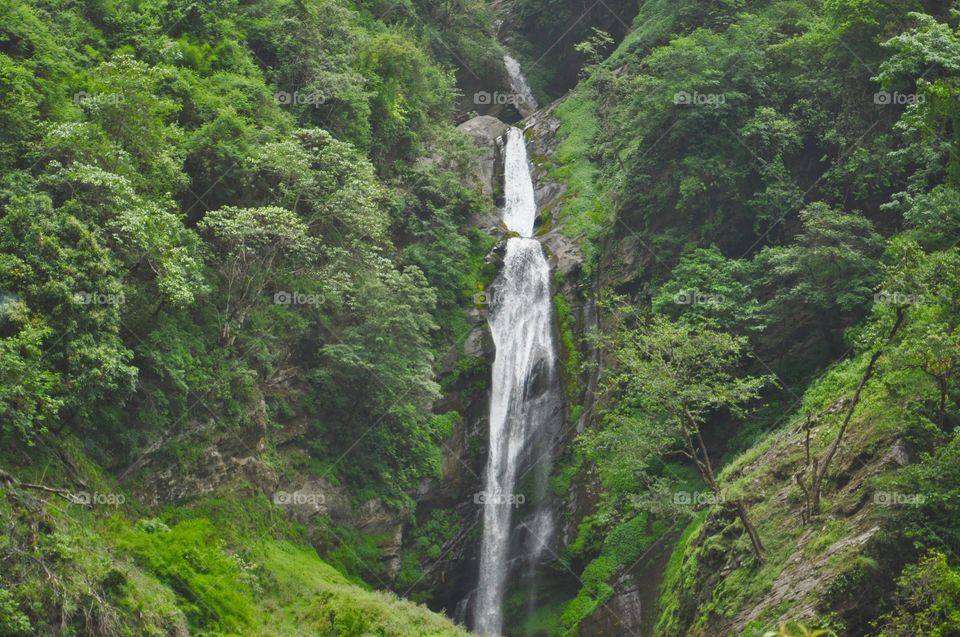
(524, 405)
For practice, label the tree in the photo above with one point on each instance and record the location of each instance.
(122, 96)
(330, 185)
(65, 330)
(924, 61)
(928, 600)
(892, 309)
(408, 94)
(594, 49)
(28, 398)
(253, 248)
(929, 287)
(710, 288)
(145, 236)
(810, 477)
(934, 218)
(373, 382)
(826, 278)
(680, 375)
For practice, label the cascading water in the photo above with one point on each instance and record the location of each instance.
(523, 96)
(524, 404)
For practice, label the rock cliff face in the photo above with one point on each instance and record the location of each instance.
(233, 463)
(632, 608)
(230, 459)
(621, 615)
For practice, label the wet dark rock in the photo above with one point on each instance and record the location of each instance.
(621, 615)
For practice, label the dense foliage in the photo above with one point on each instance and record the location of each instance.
(221, 221)
(786, 174)
(233, 225)
(199, 200)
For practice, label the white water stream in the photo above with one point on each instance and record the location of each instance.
(522, 95)
(524, 398)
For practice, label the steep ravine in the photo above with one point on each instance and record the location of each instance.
(450, 579)
(235, 460)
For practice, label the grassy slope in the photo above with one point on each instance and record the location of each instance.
(584, 210)
(805, 564)
(220, 566)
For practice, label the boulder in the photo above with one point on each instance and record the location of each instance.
(484, 130)
(565, 255)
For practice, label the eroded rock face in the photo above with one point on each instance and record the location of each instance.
(541, 130)
(479, 342)
(463, 455)
(633, 608)
(315, 501)
(304, 501)
(232, 463)
(213, 472)
(580, 501)
(229, 459)
(372, 518)
(565, 255)
(621, 615)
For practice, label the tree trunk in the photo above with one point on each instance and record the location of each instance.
(705, 468)
(816, 482)
(744, 516)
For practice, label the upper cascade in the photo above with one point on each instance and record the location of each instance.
(523, 96)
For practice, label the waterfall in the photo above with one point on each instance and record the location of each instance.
(520, 206)
(523, 96)
(525, 399)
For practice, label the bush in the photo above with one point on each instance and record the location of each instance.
(928, 600)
